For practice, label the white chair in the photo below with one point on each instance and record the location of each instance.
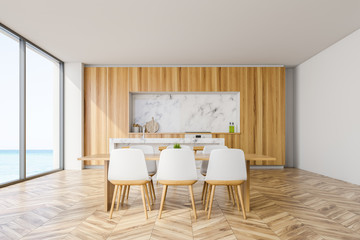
(184, 147)
(204, 165)
(207, 150)
(177, 167)
(226, 167)
(151, 167)
(128, 167)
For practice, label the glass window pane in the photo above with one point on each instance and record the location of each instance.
(9, 108)
(42, 113)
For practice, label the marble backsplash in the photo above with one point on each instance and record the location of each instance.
(186, 112)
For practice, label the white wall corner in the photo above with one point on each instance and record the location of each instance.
(327, 118)
(73, 115)
(289, 117)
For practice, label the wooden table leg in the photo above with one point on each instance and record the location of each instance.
(247, 188)
(108, 188)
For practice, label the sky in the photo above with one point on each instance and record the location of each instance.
(41, 83)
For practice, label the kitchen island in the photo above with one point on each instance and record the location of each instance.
(157, 142)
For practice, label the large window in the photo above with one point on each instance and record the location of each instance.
(31, 109)
(42, 112)
(9, 107)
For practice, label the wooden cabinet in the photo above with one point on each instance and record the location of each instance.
(272, 138)
(95, 111)
(117, 103)
(200, 79)
(262, 103)
(154, 79)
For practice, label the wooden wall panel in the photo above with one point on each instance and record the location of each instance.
(191, 78)
(211, 81)
(118, 103)
(230, 80)
(171, 79)
(95, 111)
(262, 109)
(246, 86)
(200, 79)
(135, 80)
(154, 79)
(231, 140)
(242, 80)
(262, 103)
(273, 125)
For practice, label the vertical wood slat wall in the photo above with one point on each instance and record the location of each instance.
(262, 103)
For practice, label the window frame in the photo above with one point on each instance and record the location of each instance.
(23, 42)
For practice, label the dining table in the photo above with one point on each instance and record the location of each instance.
(109, 187)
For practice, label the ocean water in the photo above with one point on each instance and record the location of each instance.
(37, 161)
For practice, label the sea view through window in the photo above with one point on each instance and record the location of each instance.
(36, 109)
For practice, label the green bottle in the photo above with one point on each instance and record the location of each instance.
(229, 127)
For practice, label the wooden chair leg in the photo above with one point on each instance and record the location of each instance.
(143, 199)
(147, 196)
(241, 201)
(208, 197)
(123, 194)
(203, 191)
(127, 192)
(113, 201)
(228, 190)
(149, 193)
(162, 200)
(118, 200)
(166, 190)
(192, 199)
(232, 195)
(211, 200)
(237, 198)
(153, 189)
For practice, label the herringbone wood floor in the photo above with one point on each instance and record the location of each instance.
(286, 204)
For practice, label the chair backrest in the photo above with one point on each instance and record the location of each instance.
(147, 149)
(127, 164)
(185, 147)
(209, 148)
(177, 164)
(226, 164)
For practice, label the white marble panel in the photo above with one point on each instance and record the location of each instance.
(184, 112)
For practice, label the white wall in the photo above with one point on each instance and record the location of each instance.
(327, 116)
(73, 115)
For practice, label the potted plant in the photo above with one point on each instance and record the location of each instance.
(177, 146)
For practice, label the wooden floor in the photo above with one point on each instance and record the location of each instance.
(286, 204)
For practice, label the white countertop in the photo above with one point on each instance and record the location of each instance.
(117, 142)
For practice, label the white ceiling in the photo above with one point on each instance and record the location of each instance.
(183, 31)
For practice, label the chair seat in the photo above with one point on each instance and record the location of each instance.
(130, 182)
(225, 182)
(177, 182)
